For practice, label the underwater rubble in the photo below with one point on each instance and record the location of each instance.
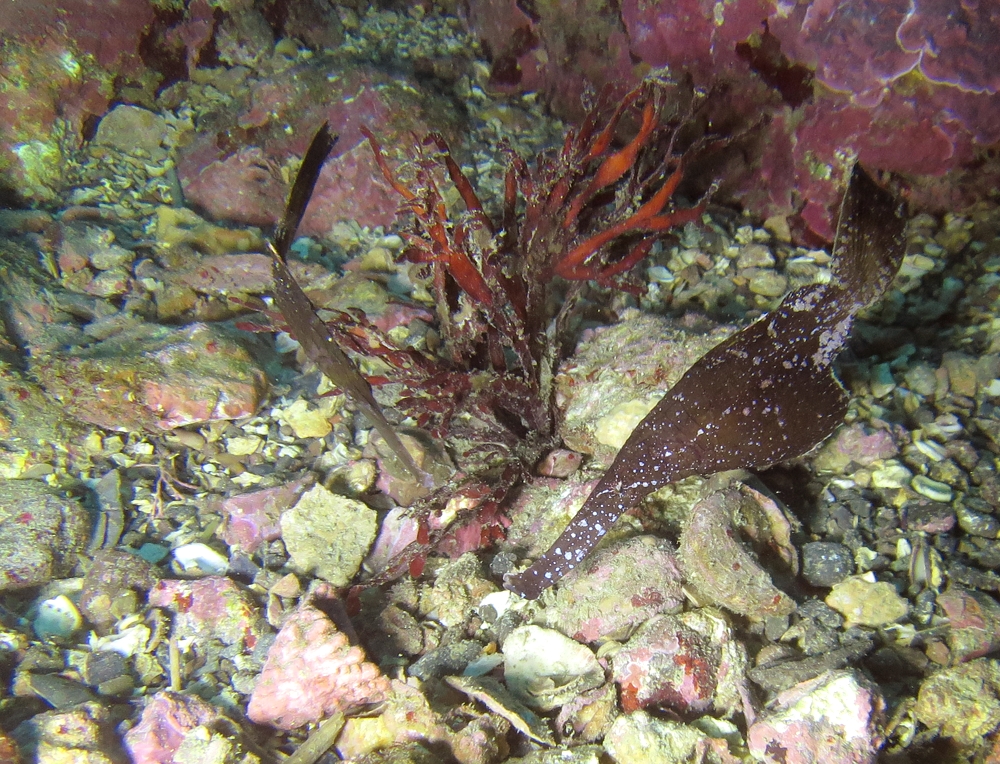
(209, 551)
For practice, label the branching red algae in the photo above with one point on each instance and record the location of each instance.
(765, 395)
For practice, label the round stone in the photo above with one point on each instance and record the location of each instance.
(825, 563)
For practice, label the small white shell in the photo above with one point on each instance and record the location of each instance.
(57, 618)
(198, 559)
(932, 489)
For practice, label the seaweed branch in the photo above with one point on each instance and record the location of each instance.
(307, 327)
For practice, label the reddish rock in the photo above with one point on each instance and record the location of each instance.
(255, 518)
(854, 444)
(232, 167)
(166, 721)
(210, 608)
(903, 86)
(156, 377)
(312, 671)
(58, 63)
(833, 718)
(973, 622)
(689, 663)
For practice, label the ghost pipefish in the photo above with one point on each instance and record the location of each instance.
(307, 327)
(765, 395)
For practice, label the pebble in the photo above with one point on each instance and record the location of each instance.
(254, 518)
(768, 283)
(546, 669)
(754, 256)
(863, 601)
(854, 444)
(977, 523)
(328, 535)
(639, 738)
(57, 618)
(928, 516)
(881, 381)
(931, 449)
(311, 420)
(448, 659)
(932, 489)
(128, 128)
(973, 622)
(891, 475)
(198, 560)
(825, 563)
(961, 371)
(115, 585)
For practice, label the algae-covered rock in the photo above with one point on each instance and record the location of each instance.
(156, 377)
(642, 739)
(962, 702)
(833, 718)
(620, 372)
(40, 534)
(328, 535)
(720, 568)
(620, 586)
(866, 602)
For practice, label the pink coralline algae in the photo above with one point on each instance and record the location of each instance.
(688, 663)
(166, 720)
(313, 671)
(973, 621)
(906, 86)
(58, 64)
(254, 518)
(833, 718)
(209, 608)
(232, 167)
(156, 378)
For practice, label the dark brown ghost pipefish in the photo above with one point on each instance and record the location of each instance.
(765, 395)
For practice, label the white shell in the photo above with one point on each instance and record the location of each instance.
(57, 618)
(545, 669)
(199, 559)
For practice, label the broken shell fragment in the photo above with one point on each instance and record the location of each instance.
(58, 618)
(199, 560)
(546, 669)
